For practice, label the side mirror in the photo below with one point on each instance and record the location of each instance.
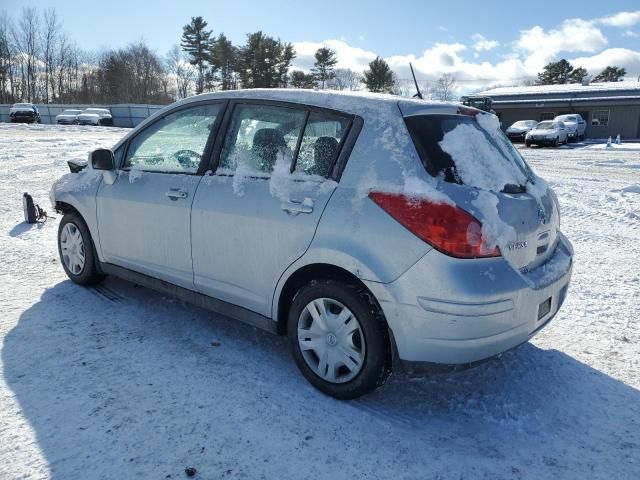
(102, 159)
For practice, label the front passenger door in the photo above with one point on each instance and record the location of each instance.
(144, 216)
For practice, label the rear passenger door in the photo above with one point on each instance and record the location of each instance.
(257, 211)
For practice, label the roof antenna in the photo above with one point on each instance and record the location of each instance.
(418, 94)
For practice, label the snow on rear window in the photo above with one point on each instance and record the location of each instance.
(464, 150)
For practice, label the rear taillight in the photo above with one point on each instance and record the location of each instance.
(447, 228)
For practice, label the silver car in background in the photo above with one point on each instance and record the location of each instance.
(550, 133)
(68, 117)
(95, 116)
(575, 125)
(375, 232)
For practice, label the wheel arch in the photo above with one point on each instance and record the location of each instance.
(86, 211)
(304, 275)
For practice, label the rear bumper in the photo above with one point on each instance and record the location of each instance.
(471, 310)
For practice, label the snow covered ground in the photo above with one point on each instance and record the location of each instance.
(120, 382)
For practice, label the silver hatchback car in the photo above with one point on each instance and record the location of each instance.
(376, 232)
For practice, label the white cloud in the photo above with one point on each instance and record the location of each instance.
(621, 19)
(631, 34)
(361, 37)
(620, 57)
(573, 35)
(354, 58)
(483, 44)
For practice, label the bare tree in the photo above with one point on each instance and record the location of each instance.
(49, 43)
(345, 79)
(26, 38)
(445, 89)
(7, 61)
(181, 70)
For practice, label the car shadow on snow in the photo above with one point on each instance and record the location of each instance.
(119, 381)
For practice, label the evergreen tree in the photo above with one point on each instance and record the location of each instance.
(223, 58)
(287, 56)
(610, 74)
(263, 62)
(557, 73)
(379, 77)
(196, 41)
(578, 74)
(299, 79)
(323, 66)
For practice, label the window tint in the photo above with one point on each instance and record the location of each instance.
(259, 136)
(321, 143)
(174, 143)
(428, 130)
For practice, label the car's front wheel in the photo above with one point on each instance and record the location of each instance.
(339, 338)
(76, 250)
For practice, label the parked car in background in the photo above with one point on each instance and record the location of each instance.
(95, 116)
(251, 203)
(24, 113)
(518, 131)
(68, 117)
(575, 125)
(550, 133)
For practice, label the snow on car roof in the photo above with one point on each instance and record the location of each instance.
(566, 88)
(354, 102)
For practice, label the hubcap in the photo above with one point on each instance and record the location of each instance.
(331, 340)
(72, 248)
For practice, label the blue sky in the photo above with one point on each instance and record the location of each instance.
(486, 41)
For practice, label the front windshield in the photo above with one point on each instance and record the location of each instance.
(520, 124)
(545, 126)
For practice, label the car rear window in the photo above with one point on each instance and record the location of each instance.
(427, 131)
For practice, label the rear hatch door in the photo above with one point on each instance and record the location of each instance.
(483, 173)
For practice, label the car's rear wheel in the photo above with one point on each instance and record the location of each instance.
(527, 144)
(339, 338)
(556, 142)
(76, 250)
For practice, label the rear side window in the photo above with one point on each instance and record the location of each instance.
(427, 131)
(321, 143)
(259, 136)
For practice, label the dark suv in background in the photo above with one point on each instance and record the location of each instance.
(24, 113)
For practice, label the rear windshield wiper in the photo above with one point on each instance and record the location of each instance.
(513, 188)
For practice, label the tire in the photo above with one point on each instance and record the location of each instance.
(358, 355)
(76, 250)
(527, 144)
(556, 143)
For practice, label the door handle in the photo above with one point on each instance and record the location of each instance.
(176, 193)
(294, 207)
